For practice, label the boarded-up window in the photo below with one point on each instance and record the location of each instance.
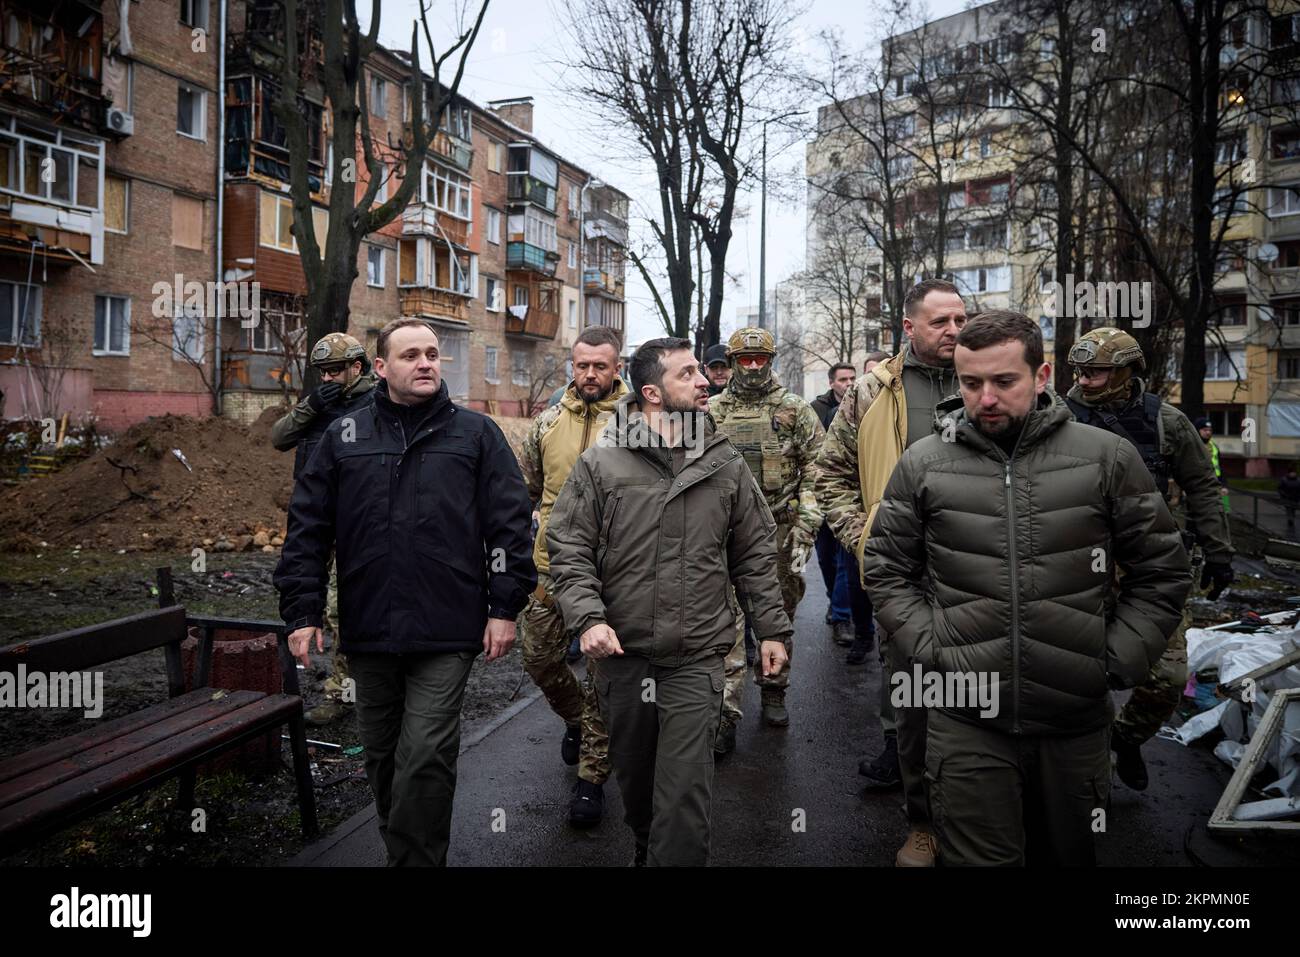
(493, 159)
(116, 204)
(187, 222)
(267, 228)
(409, 262)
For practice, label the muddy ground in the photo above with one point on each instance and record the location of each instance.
(249, 819)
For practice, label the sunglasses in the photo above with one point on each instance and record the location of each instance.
(332, 369)
(752, 362)
(1088, 372)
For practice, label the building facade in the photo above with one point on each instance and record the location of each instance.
(121, 218)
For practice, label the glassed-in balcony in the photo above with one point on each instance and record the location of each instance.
(523, 188)
(521, 255)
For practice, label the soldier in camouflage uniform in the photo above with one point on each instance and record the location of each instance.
(1110, 395)
(559, 435)
(347, 383)
(779, 435)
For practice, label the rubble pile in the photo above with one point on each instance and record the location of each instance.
(172, 482)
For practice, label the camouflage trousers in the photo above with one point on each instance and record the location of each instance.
(545, 643)
(792, 589)
(338, 660)
(1153, 701)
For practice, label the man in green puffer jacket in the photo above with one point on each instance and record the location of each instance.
(654, 526)
(993, 563)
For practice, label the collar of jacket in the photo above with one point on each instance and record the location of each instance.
(1138, 388)
(1048, 414)
(574, 403)
(912, 361)
(362, 384)
(627, 428)
(829, 398)
(386, 410)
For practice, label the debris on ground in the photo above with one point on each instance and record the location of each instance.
(227, 491)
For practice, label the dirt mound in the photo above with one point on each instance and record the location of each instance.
(137, 494)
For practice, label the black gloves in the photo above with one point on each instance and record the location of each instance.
(1218, 573)
(325, 395)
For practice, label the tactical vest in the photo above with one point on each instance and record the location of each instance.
(753, 431)
(1139, 422)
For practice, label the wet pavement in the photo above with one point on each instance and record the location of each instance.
(786, 796)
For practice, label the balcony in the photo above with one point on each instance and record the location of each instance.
(51, 60)
(452, 150)
(534, 323)
(600, 224)
(604, 283)
(520, 255)
(523, 188)
(438, 303)
(422, 219)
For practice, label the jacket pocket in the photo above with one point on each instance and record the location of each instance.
(605, 542)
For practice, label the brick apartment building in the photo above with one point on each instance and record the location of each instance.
(95, 316)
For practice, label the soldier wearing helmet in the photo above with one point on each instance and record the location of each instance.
(779, 435)
(1110, 394)
(347, 383)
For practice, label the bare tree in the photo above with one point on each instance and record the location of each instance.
(685, 75)
(346, 49)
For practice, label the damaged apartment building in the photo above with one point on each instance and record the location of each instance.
(123, 179)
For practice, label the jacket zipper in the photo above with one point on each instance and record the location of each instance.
(1015, 589)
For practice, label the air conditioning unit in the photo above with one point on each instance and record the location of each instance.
(119, 121)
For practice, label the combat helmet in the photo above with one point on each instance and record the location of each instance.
(336, 347)
(1113, 349)
(751, 341)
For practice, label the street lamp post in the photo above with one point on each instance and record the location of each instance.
(762, 224)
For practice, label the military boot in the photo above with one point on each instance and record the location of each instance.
(1129, 765)
(919, 850)
(882, 773)
(588, 804)
(862, 645)
(774, 712)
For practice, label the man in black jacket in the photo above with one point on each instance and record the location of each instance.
(426, 509)
(831, 556)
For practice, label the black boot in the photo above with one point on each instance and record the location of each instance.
(1129, 765)
(882, 772)
(588, 804)
(862, 645)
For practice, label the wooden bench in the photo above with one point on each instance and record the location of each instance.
(57, 784)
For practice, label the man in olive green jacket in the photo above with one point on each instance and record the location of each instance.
(653, 527)
(993, 562)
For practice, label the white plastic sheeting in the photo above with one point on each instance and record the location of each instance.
(1236, 654)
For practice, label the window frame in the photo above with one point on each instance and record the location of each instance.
(181, 311)
(15, 342)
(108, 299)
(371, 249)
(182, 87)
(492, 365)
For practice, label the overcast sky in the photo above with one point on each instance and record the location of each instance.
(520, 52)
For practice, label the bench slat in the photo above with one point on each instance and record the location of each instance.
(105, 749)
(102, 786)
(47, 754)
(84, 648)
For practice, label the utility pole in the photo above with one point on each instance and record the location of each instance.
(762, 224)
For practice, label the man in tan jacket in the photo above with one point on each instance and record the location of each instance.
(891, 407)
(558, 436)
